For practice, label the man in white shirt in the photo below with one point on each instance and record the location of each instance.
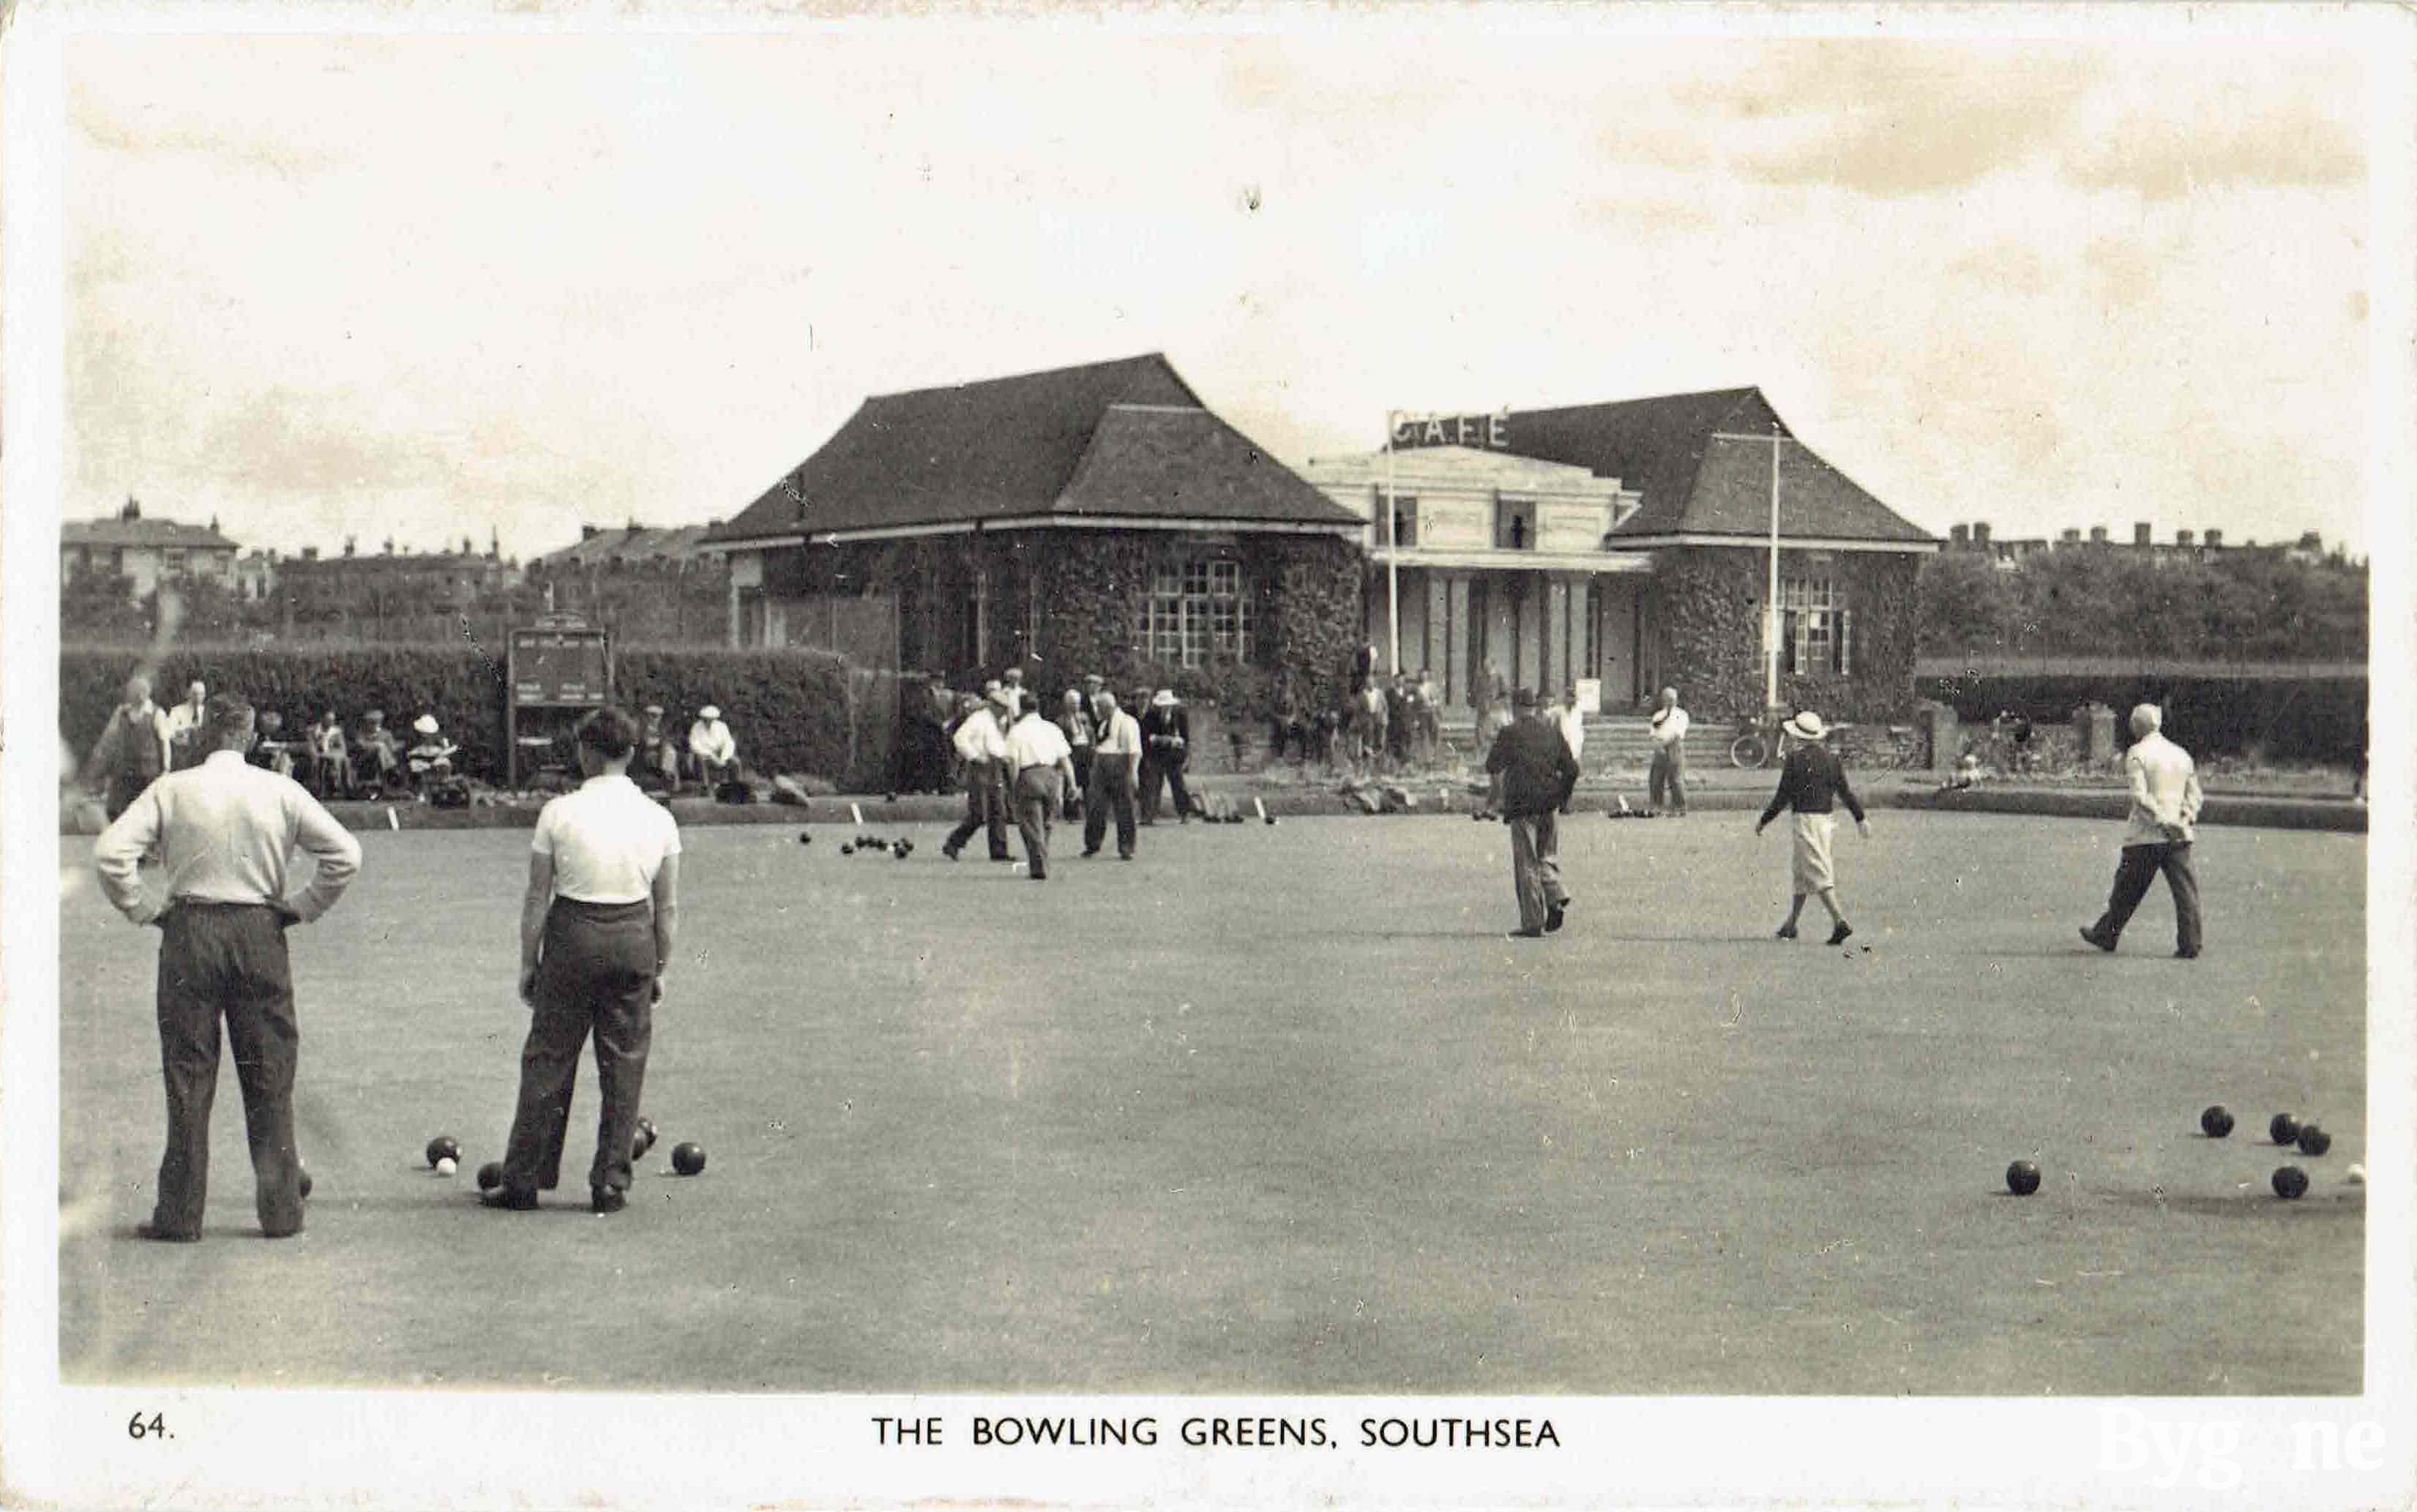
(1572, 724)
(1668, 776)
(2156, 836)
(188, 728)
(710, 744)
(1116, 777)
(1042, 764)
(981, 744)
(597, 927)
(223, 831)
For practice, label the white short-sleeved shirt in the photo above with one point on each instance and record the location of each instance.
(1036, 742)
(607, 840)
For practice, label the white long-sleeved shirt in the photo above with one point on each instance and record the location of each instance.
(2165, 791)
(1035, 742)
(712, 740)
(1672, 728)
(979, 737)
(224, 831)
(1119, 737)
(1572, 724)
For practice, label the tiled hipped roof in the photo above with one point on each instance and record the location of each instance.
(1696, 484)
(1114, 438)
(118, 530)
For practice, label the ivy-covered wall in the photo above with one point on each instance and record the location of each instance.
(1707, 603)
(1084, 591)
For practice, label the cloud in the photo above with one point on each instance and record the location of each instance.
(1891, 118)
(2300, 146)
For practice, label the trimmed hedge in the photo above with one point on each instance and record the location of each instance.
(805, 712)
(2320, 719)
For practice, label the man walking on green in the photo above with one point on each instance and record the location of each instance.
(1532, 774)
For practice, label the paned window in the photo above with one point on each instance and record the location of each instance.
(1813, 628)
(1196, 610)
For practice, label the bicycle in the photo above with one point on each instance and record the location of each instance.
(1756, 741)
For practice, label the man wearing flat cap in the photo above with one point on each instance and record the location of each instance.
(1532, 774)
(982, 742)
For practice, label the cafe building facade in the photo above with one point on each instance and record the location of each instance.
(1626, 546)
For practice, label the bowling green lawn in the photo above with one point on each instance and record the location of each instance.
(1281, 1110)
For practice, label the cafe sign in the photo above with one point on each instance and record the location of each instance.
(1490, 431)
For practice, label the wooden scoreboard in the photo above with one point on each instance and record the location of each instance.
(557, 667)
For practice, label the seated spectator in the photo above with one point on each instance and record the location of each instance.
(331, 758)
(270, 748)
(658, 763)
(711, 748)
(380, 752)
(432, 760)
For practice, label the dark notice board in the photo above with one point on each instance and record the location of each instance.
(560, 668)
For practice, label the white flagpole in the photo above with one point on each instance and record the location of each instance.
(1771, 637)
(1392, 565)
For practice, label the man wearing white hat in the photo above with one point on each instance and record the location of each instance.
(1165, 744)
(1810, 782)
(1669, 772)
(710, 746)
(432, 759)
(2164, 804)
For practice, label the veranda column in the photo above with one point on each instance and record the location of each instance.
(1456, 690)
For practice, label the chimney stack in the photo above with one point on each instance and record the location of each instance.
(2214, 540)
(2140, 533)
(2070, 537)
(2182, 540)
(588, 533)
(1960, 535)
(1980, 532)
(2098, 535)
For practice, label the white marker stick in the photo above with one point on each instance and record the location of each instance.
(1261, 806)
(855, 813)
(391, 822)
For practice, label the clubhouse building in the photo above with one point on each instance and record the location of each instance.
(1103, 517)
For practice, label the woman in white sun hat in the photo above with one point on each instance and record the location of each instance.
(1810, 782)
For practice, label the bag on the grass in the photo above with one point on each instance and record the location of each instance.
(732, 791)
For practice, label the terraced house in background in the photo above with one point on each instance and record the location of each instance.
(145, 550)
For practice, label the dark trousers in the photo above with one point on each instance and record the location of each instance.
(1039, 792)
(1158, 772)
(1111, 788)
(1536, 867)
(985, 808)
(1668, 777)
(227, 960)
(2132, 874)
(596, 975)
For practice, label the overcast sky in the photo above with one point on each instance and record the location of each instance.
(424, 286)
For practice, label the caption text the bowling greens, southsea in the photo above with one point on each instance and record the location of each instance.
(1224, 1431)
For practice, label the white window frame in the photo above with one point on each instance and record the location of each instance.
(1197, 609)
(1816, 627)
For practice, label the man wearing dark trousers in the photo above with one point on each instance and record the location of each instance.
(1532, 773)
(597, 927)
(1115, 773)
(224, 830)
(2164, 806)
(1166, 746)
(981, 741)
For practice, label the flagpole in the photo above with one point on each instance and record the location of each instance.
(1392, 565)
(1770, 639)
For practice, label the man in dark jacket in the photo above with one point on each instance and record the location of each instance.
(1533, 773)
(1166, 746)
